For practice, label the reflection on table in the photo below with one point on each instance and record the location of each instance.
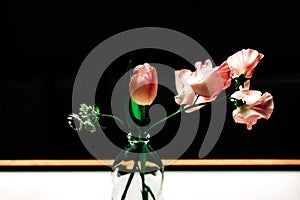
(202, 185)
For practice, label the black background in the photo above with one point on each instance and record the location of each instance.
(45, 44)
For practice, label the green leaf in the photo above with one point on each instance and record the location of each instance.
(139, 113)
(136, 110)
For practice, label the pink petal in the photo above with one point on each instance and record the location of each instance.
(208, 81)
(264, 106)
(185, 93)
(198, 100)
(257, 106)
(143, 84)
(249, 121)
(226, 73)
(185, 98)
(246, 85)
(203, 70)
(250, 96)
(201, 89)
(193, 109)
(180, 80)
(198, 78)
(244, 61)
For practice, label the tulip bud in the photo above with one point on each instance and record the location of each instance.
(143, 84)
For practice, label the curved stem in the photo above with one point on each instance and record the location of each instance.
(196, 99)
(164, 119)
(146, 189)
(189, 107)
(150, 191)
(127, 78)
(114, 117)
(128, 182)
(194, 105)
(127, 186)
(230, 93)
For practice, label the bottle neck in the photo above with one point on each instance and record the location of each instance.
(139, 139)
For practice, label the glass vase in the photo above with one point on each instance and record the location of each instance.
(137, 172)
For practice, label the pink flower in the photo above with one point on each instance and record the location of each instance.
(244, 62)
(208, 82)
(186, 96)
(143, 84)
(204, 84)
(257, 106)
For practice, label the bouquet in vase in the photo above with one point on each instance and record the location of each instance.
(137, 170)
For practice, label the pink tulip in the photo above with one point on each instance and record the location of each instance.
(143, 84)
(257, 106)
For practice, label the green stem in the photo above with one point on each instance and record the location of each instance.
(230, 93)
(114, 117)
(239, 81)
(150, 191)
(196, 99)
(144, 188)
(143, 160)
(127, 78)
(189, 107)
(127, 186)
(164, 119)
(128, 183)
(195, 105)
(143, 112)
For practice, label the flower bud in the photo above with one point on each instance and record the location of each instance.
(143, 84)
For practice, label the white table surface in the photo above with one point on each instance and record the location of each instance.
(202, 185)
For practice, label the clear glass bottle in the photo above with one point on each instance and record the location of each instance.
(137, 172)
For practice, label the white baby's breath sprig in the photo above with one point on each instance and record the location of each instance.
(87, 118)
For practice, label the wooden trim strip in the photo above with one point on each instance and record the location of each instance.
(179, 162)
